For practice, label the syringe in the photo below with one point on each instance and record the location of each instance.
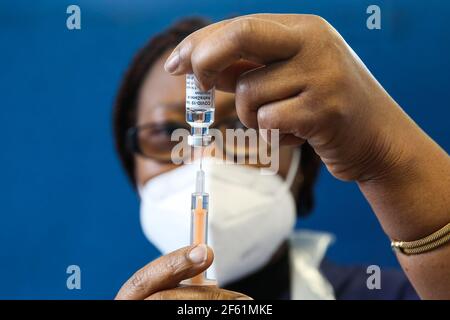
(199, 115)
(199, 224)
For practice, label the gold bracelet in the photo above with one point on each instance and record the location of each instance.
(428, 243)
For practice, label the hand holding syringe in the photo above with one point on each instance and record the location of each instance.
(200, 115)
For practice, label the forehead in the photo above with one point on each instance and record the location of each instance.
(161, 90)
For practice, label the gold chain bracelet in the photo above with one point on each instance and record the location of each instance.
(428, 243)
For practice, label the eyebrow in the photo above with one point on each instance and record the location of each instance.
(173, 106)
(227, 107)
(159, 111)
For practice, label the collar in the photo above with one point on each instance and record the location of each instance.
(307, 250)
(294, 272)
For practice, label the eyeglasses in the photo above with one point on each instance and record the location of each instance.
(153, 140)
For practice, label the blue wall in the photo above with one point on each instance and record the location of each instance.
(63, 197)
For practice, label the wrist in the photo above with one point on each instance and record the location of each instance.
(396, 147)
(408, 196)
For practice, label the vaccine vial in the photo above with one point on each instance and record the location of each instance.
(199, 112)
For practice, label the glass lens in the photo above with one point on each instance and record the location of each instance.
(154, 140)
(240, 142)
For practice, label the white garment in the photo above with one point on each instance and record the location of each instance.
(307, 250)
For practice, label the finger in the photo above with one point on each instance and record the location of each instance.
(249, 38)
(166, 272)
(291, 140)
(291, 116)
(252, 39)
(180, 58)
(264, 85)
(286, 139)
(227, 79)
(198, 293)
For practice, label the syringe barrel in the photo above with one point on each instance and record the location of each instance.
(199, 231)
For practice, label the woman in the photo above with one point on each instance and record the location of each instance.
(296, 74)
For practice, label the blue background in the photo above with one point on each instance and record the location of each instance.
(63, 196)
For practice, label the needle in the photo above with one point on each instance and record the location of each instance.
(201, 158)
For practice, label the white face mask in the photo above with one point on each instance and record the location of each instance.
(250, 215)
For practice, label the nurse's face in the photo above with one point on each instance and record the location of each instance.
(161, 104)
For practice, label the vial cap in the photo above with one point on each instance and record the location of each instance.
(199, 140)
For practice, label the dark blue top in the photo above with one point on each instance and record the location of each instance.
(349, 283)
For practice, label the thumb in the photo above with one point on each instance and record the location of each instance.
(167, 271)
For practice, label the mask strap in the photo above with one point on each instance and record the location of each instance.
(293, 167)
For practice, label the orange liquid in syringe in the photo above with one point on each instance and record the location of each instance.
(199, 233)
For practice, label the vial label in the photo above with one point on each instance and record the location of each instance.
(195, 98)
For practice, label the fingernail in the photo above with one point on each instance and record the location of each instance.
(198, 254)
(243, 298)
(171, 64)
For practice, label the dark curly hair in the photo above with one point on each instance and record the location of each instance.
(124, 113)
